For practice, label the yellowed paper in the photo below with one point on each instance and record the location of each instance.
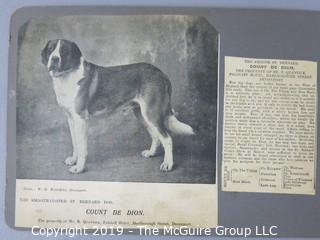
(269, 140)
(92, 204)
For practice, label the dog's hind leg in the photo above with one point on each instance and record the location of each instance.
(167, 163)
(154, 120)
(155, 145)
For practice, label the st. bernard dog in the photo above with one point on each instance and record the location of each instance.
(84, 88)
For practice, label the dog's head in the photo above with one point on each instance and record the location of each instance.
(60, 56)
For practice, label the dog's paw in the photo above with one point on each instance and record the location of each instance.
(70, 161)
(76, 169)
(148, 153)
(166, 166)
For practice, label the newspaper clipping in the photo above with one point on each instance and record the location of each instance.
(269, 142)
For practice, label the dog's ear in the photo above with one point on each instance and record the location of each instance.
(44, 54)
(75, 51)
(71, 59)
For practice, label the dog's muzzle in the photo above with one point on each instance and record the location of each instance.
(54, 64)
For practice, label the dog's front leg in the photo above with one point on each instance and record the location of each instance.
(80, 133)
(72, 159)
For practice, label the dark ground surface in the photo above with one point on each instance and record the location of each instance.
(114, 155)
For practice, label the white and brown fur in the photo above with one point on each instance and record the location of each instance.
(83, 88)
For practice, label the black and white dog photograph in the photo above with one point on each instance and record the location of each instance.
(117, 98)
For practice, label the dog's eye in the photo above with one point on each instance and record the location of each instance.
(50, 48)
(63, 51)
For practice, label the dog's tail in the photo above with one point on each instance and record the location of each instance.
(177, 127)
